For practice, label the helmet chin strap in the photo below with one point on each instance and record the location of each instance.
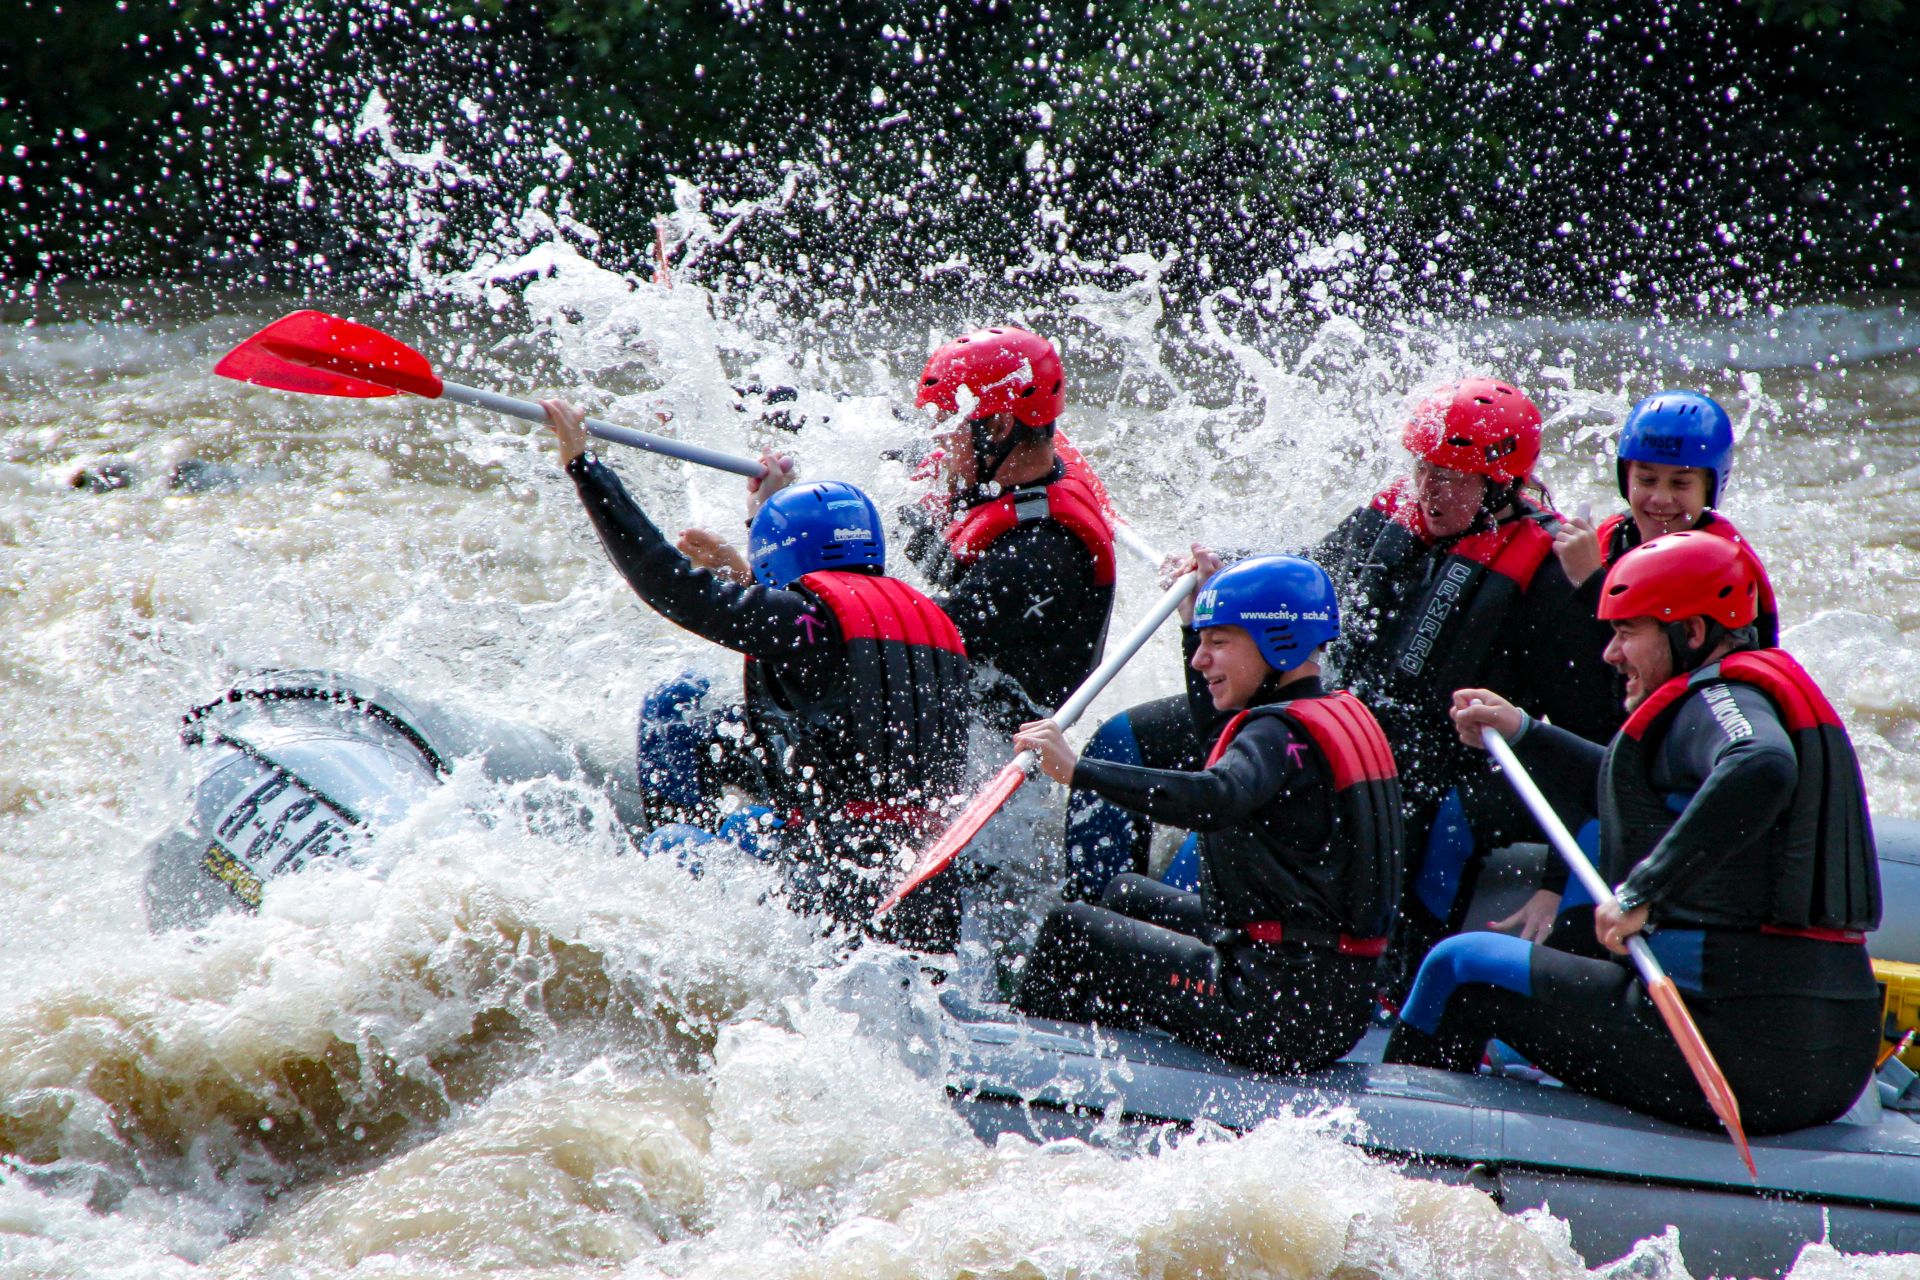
(1690, 658)
(989, 457)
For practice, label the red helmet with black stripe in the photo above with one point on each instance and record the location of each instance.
(1477, 426)
(1008, 370)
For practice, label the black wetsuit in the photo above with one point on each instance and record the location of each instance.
(1029, 607)
(1791, 1019)
(838, 837)
(1540, 649)
(1151, 954)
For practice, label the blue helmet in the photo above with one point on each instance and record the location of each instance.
(1285, 603)
(810, 527)
(1680, 429)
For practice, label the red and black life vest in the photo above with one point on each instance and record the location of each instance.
(1816, 870)
(1077, 500)
(1342, 893)
(1618, 535)
(889, 740)
(1438, 630)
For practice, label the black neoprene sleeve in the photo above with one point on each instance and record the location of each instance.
(1256, 769)
(775, 625)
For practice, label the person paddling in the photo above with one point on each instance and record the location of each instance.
(1015, 536)
(853, 728)
(1674, 458)
(1734, 822)
(1448, 579)
(1272, 962)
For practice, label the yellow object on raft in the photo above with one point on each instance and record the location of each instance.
(1900, 1006)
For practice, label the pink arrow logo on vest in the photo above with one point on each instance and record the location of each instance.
(1296, 754)
(807, 622)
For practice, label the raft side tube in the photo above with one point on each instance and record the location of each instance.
(300, 764)
(1617, 1177)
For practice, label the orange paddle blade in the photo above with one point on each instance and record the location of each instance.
(1705, 1070)
(937, 856)
(319, 354)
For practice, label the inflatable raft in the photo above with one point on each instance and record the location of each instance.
(296, 766)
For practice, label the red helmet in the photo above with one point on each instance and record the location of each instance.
(1682, 575)
(1008, 370)
(1478, 426)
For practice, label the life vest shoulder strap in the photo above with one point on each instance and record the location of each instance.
(1348, 736)
(1340, 727)
(1519, 547)
(878, 609)
(1225, 740)
(1606, 532)
(1655, 706)
(1785, 682)
(1075, 500)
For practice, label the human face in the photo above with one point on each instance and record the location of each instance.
(1232, 665)
(1665, 498)
(1450, 501)
(956, 443)
(1639, 651)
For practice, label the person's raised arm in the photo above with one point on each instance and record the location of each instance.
(771, 624)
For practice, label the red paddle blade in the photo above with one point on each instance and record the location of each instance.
(937, 856)
(1705, 1070)
(324, 355)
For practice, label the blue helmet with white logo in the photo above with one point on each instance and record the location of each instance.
(811, 527)
(1680, 429)
(1285, 603)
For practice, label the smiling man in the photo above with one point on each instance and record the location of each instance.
(1734, 824)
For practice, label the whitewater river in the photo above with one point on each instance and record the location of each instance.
(503, 1051)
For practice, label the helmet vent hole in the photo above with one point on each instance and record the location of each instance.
(929, 381)
(1616, 589)
(1483, 399)
(1460, 442)
(1725, 592)
(1056, 388)
(1029, 391)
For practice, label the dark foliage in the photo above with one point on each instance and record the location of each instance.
(1513, 153)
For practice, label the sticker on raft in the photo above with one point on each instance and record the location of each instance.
(284, 827)
(225, 868)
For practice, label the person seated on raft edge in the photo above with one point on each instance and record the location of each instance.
(1672, 462)
(1272, 962)
(1755, 894)
(853, 729)
(1015, 536)
(1448, 580)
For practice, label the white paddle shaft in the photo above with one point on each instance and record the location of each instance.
(1564, 843)
(682, 449)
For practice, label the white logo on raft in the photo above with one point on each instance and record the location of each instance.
(1445, 596)
(1733, 721)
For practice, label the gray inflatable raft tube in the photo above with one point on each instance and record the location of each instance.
(297, 766)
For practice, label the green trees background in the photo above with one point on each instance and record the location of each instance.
(1494, 155)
